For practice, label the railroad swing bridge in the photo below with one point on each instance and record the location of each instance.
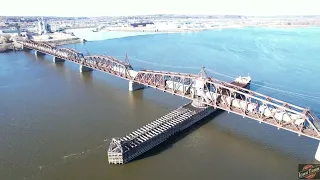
(206, 94)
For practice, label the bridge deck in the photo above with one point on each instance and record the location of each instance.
(123, 150)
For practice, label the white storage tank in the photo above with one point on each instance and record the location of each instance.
(251, 107)
(265, 111)
(299, 121)
(179, 86)
(199, 84)
(238, 103)
(212, 96)
(281, 116)
(228, 99)
(286, 117)
(243, 105)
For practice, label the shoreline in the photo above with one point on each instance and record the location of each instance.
(288, 26)
(14, 46)
(164, 30)
(58, 41)
(178, 30)
(10, 46)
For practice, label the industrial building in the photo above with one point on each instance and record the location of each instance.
(142, 24)
(43, 27)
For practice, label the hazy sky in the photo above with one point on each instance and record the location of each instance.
(134, 7)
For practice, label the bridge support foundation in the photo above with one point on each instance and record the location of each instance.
(198, 104)
(317, 156)
(25, 49)
(38, 53)
(84, 69)
(133, 86)
(56, 59)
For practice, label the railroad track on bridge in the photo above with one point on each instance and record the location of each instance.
(198, 88)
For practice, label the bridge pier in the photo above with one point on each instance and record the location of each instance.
(26, 49)
(56, 59)
(38, 53)
(84, 69)
(198, 104)
(317, 156)
(133, 86)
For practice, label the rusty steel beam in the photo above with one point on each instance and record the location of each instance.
(102, 63)
(185, 86)
(215, 93)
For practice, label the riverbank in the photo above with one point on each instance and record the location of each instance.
(89, 35)
(287, 26)
(122, 32)
(178, 30)
(166, 30)
(58, 39)
(11, 46)
(59, 42)
(80, 35)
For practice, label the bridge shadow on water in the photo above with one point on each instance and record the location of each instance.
(180, 135)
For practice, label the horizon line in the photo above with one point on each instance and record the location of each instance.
(172, 14)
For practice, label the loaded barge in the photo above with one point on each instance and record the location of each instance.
(125, 149)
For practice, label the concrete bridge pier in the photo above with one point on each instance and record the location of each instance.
(56, 59)
(133, 86)
(84, 69)
(317, 156)
(38, 53)
(25, 49)
(198, 104)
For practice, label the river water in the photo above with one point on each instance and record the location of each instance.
(56, 123)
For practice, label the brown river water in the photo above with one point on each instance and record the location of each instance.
(56, 124)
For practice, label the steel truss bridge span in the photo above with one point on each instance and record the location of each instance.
(199, 88)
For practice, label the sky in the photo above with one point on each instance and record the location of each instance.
(95, 8)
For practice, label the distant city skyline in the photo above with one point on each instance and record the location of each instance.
(94, 8)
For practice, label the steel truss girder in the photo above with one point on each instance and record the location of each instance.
(102, 63)
(218, 94)
(221, 95)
